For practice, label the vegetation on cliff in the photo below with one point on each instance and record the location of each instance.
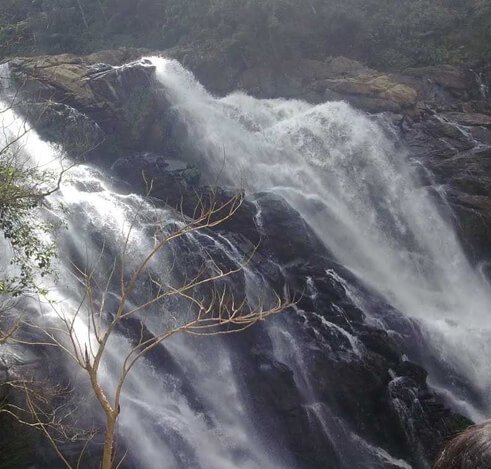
(22, 189)
(390, 34)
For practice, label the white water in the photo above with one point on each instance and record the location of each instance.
(338, 169)
(163, 428)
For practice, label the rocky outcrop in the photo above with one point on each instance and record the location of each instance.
(118, 97)
(64, 76)
(334, 79)
(153, 175)
(455, 144)
(373, 93)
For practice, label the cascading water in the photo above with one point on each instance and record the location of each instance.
(164, 428)
(361, 196)
(337, 168)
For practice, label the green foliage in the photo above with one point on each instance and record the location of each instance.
(21, 192)
(385, 33)
(481, 19)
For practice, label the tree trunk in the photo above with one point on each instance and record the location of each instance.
(107, 456)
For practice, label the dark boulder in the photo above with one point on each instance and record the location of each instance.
(153, 175)
(413, 371)
(79, 135)
(284, 233)
(380, 342)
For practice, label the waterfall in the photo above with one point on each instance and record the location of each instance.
(161, 425)
(184, 407)
(362, 197)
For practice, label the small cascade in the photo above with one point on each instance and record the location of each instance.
(481, 84)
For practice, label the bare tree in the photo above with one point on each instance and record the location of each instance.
(23, 189)
(207, 307)
(33, 406)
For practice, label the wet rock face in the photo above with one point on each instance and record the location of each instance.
(128, 103)
(345, 371)
(81, 137)
(449, 131)
(153, 175)
(456, 148)
(273, 394)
